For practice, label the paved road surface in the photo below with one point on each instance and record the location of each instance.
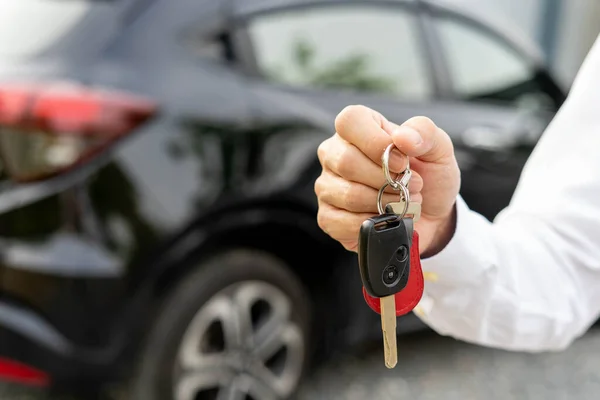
(433, 367)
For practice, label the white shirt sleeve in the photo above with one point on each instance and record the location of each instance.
(530, 281)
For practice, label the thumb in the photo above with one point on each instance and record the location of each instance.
(421, 138)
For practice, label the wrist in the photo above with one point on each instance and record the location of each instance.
(443, 234)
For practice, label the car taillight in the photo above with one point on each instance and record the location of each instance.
(48, 129)
(13, 371)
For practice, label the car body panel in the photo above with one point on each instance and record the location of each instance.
(228, 160)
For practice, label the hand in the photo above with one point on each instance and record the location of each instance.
(352, 175)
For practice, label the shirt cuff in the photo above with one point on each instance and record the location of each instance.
(466, 255)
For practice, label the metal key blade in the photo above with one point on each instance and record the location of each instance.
(388, 326)
(413, 210)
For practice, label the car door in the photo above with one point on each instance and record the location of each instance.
(305, 61)
(498, 100)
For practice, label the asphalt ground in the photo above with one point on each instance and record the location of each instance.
(431, 367)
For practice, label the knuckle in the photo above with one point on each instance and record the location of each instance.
(351, 196)
(322, 151)
(345, 162)
(323, 220)
(324, 188)
(318, 187)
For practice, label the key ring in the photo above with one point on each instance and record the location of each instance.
(404, 194)
(404, 179)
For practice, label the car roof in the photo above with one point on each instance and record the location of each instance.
(501, 26)
(243, 7)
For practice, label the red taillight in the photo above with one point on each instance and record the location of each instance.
(47, 129)
(16, 372)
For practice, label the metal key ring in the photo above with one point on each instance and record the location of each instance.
(385, 164)
(404, 193)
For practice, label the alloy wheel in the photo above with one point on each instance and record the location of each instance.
(241, 345)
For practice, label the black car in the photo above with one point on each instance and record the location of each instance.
(157, 165)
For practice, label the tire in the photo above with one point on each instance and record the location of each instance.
(186, 349)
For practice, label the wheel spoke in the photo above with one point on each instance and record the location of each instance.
(280, 385)
(191, 383)
(278, 311)
(287, 336)
(243, 311)
(255, 388)
(269, 342)
(231, 392)
(191, 353)
(274, 335)
(260, 392)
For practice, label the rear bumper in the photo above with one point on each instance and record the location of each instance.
(30, 346)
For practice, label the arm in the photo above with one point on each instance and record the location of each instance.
(531, 279)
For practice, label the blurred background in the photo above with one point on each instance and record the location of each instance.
(564, 30)
(158, 235)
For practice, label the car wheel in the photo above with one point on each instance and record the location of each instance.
(236, 328)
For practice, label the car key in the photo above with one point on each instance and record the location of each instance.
(391, 235)
(384, 263)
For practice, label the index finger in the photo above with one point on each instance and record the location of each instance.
(364, 128)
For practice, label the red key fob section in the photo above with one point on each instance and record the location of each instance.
(408, 298)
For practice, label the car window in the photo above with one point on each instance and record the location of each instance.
(27, 27)
(362, 48)
(483, 67)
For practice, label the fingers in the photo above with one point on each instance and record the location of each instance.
(419, 137)
(341, 225)
(349, 196)
(363, 128)
(347, 161)
(356, 197)
(371, 133)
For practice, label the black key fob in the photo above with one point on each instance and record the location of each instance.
(384, 254)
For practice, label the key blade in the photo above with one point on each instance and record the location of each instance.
(396, 207)
(413, 211)
(388, 326)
